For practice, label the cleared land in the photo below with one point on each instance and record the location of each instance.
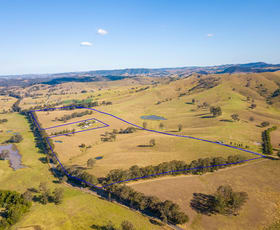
(232, 92)
(259, 180)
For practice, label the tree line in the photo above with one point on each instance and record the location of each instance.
(174, 167)
(267, 146)
(166, 210)
(67, 117)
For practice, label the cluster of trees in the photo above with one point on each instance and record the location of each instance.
(125, 131)
(4, 154)
(15, 205)
(267, 146)
(92, 104)
(125, 225)
(44, 195)
(228, 202)
(224, 201)
(3, 120)
(67, 117)
(216, 111)
(16, 138)
(108, 136)
(167, 211)
(276, 93)
(174, 167)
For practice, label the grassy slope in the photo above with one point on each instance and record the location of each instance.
(78, 211)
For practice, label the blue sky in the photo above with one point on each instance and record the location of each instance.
(60, 36)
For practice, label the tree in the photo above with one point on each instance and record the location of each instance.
(193, 101)
(91, 162)
(265, 124)
(63, 179)
(4, 154)
(44, 198)
(58, 195)
(152, 142)
(235, 117)
(109, 226)
(161, 125)
(180, 127)
(43, 187)
(216, 111)
(253, 106)
(144, 125)
(27, 195)
(126, 225)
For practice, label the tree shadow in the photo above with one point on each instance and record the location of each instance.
(144, 146)
(98, 227)
(226, 120)
(207, 116)
(203, 203)
(43, 160)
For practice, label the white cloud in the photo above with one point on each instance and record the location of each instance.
(210, 35)
(102, 31)
(85, 44)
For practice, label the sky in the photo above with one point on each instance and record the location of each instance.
(63, 36)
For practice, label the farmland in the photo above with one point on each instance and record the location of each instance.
(78, 210)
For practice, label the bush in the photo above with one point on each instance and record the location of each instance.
(265, 124)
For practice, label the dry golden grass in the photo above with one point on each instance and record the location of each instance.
(259, 180)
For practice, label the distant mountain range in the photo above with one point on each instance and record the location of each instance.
(105, 75)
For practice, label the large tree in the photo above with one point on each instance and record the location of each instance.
(227, 201)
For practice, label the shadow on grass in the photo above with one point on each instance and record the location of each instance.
(144, 146)
(207, 116)
(203, 203)
(226, 120)
(98, 227)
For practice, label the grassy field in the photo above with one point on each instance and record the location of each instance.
(259, 180)
(130, 103)
(78, 210)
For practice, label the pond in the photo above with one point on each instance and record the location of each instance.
(58, 141)
(153, 117)
(14, 157)
(99, 158)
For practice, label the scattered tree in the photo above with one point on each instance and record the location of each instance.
(91, 162)
(144, 125)
(265, 124)
(180, 127)
(235, 117)
(161, 125)
(216, 111)
(152, 142)
(58, 195)
(251, 118)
